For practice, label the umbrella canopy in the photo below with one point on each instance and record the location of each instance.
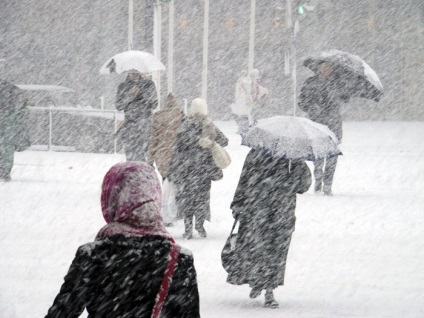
(358, 77)
(140, 61)
(292, 138)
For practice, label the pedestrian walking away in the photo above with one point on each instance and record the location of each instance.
(133, 268)
(193, 168)
(264, 204)
(14, 134)
(137, 97)
(165, 126)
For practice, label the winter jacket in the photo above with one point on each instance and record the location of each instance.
(190, 161)
(120, 276)
(321, 99)
(137, 99)
(264, 204)
(163, 135)
(193, 168)
(14, 134)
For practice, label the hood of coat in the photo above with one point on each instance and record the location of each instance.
(170, 102)
(199, 106)
(131, 200)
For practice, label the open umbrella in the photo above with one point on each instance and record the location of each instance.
(358, 77)
(292, 138)
(143, 62)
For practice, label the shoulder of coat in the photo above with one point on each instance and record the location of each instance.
(87, 249)
(185, 251)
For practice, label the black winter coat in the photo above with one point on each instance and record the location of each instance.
(120, 277)
(265, 203)
(321, 99)
(137, 99)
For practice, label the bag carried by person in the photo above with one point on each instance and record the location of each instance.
(166, 280)
(220, 156)
(228, 255)
(169, 206)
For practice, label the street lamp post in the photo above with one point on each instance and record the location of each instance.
(252, 36)
(130, 24)
(205, 51)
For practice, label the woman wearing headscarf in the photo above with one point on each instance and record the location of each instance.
(265, 203)
(126, 271)
(193, 168)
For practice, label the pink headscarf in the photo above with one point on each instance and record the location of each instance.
(131, 201)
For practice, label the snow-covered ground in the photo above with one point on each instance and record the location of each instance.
(357, 254)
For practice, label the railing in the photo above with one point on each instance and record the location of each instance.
(51, 110)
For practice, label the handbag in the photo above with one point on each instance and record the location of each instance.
(228, 254)
(220, 156)
(169, 206)
(166, 280)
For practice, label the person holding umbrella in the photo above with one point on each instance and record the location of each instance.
(264, 203)
(137, 97)
(321, 98)
(339, 76)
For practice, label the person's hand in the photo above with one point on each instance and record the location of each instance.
(205, 143)
(236, 212)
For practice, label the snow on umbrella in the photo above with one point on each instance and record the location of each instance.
(360, 79)
(140, 61)
(292, 138)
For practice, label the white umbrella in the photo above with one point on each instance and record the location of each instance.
(140, 61)
(292, 138)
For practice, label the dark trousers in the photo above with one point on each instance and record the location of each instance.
(324, 170)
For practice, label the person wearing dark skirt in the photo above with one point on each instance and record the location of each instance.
(124, 271)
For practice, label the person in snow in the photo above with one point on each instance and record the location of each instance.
(193, 168)
(14, 135)
(137, 97)
(124, 271)
(321, 97)
(242, 106)
(165, 126)
(247, 95)
(264, 204)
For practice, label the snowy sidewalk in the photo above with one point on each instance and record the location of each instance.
(357, 254)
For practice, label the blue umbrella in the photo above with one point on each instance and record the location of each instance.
(292, 138)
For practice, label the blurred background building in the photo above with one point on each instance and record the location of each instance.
(65, 43)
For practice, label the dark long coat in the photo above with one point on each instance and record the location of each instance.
(265, 203)
(322, 100)
(192, 167)
(13, 125)
(137, 99)
(120, 277)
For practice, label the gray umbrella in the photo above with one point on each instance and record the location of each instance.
(292, 138)
(356, 76)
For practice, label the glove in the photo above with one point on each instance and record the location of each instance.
(236, 212)
(205, 143)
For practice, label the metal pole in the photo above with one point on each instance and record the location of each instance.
(252, 35)
(130, 23)
(170, 69)
(205, 51)
(157, 43)
(294, 74)
(50, 129)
